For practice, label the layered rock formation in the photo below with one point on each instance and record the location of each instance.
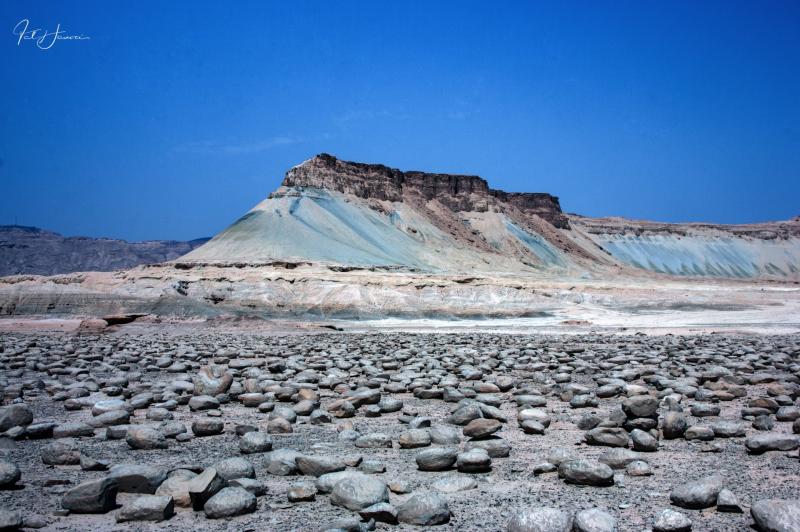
(352, 240)
(764, 250)
(357, 214)
(457, 192)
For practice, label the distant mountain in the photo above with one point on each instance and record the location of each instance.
(30, 250)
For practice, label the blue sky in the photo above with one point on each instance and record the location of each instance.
(174, 118)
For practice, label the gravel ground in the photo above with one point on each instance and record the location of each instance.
(47, 372)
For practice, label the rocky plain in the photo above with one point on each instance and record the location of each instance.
(149, 428)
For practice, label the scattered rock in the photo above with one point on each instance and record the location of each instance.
(92, 497)
(424, 509)
(230, 502)
(147, 508)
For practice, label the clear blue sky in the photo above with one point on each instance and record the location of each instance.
(177, 117)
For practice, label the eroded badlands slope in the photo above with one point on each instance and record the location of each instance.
(357, 214)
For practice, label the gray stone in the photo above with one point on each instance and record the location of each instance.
(728, 502)
(203, 487)
(36, 431)
(705, 410)
(235, 467)
(92, 497)
(496, 447)
(534, 414)
(230, 502)
(424, 509)
(618, 457)
(326, 482)
(671, 521)
(640, 406)
(302, 493)
(373, 441)
(383, 512)
(207, 427)
(594, 520)
(16, 415)
(359, 491)
(674, 425)
(607, 436)
(776, 515)
(10, 520)
(697, 494)
(135, 478)
(481, 428)
(177, 487)
(9, 474)
(212, 381)
(411, 439)
(145, 438)
(454, 483)
(254, 486)
(199, 403)
(319, 465)
(73, 429)
(438, 459)
(283, 462)
(61, 453)
(586, 472)
(639, 468)
(372, 466)
(788, 413)
(643, 441)
(543, 519)
(474, 461)
(728, 429)
(699, 432)
(531, 426)
(771, 441)
(147, 508)
(110, 419)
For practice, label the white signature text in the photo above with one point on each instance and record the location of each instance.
(44, 39)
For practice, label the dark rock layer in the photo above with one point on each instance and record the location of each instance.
(457, 192)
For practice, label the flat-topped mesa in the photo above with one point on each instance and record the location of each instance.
(457, 192)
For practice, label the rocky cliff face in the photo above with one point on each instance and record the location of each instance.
(459, 193)
(30, 250)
